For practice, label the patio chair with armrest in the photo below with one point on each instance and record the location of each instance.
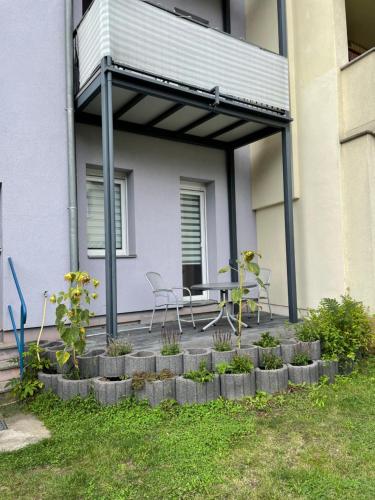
(166, 297)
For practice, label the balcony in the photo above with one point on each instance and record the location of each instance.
(358, 95)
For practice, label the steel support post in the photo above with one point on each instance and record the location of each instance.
(231, 186)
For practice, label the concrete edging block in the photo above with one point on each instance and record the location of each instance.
(272, 381)
(188, 391)
(110, 392)
(88, 364)
(173, 362)
(140, 361)
(237, 386)
(266, 351)
(156, 391)
(222, 357)
(289, 349)
(194, 357)
(308, 374)
(68, 389)
(311, 349)
(328, 368)
(251, 351)
(49, 380)
(111, 366)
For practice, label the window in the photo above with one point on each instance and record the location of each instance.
(95, 217)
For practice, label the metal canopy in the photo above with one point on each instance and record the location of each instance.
(151, 106)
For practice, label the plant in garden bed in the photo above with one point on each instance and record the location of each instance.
(72, 317)
(29, 385)
(198, 386)
(239, 364)
(222, 341)
(244, 264)
(171, 343)
(266, 340)
(271, 362)
(202, 375)
(343, 328)
(301, 359)
(237, 378)
(119, 348)
(154, 387)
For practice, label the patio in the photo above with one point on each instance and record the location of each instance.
(141, 339)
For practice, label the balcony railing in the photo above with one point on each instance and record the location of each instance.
(164, 45)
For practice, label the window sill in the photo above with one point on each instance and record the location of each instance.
(132, 256)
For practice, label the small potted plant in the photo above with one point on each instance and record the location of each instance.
(171, 355)
(140, 361)
(272, 375)
(109, 391)
(328, 367)
(223, 351)
(267, 345)
(193, 359)
(308, 338)
(112, 362)
(237, 378)
(72, 319)
(154, 387)
(197, 386)
(302, 370)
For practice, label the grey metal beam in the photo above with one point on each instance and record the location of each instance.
(159, 133)
(232, 212)
(169, 112)
(109, 201)
(128, 106)
(226, 129)
(226, 15)
(196, 123)
(282, 26)
(88, 94)
(289, 227)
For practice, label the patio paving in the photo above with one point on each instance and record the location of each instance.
(141, 339)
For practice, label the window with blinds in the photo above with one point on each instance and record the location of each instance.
(95, 216)
(193, 242)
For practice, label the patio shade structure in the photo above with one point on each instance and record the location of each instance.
(117, 96)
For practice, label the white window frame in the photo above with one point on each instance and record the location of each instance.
(199, 188)
(124, 250)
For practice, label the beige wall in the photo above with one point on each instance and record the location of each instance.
(324, 238)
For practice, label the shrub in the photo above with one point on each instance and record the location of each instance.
(202, 375)
(222, 341)
(139, 378)
(272, 362)
(266, 340)
(119, 348)
(343, 327)
(300, 360)
(171, 343)
(239, 364)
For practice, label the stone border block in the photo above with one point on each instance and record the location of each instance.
(251, 351)
(174, 363)
(157, 391)
(110, 392)
(289, 349)
(308, 374)
(272, 381)
(68, 389)
(222, 357)
(266, 351)
(111, 366)
(328, 369)
(140, 361)
(188, 391)
(88, 363)
(49, 380)
(237, 386)
(194, 357)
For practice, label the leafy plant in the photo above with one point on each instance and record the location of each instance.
(239, 364)
(29, 385)
(271, 362)
(343, 327)
(171, 343)
(222, 341)
(140, 378)
(119, 348)
(300, 359)
(266, 340)
(72, 317)
(244, 264)
(202, 375)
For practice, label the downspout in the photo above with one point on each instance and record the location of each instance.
(71, 147)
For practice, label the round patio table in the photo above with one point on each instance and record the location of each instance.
(224, 289)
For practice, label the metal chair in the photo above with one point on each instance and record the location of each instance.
(164, 297)
(262, 292)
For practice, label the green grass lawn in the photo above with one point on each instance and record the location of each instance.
(317, 443)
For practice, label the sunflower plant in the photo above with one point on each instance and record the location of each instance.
(73, 315)
(244, 264)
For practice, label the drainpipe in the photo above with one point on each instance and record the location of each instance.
(72, 172)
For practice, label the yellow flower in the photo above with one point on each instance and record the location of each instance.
(82, 330)
(96, 283)
(94, 295)
(76, 293)
(83, 278)
(248, 255)
(68, 277)
(52, 299)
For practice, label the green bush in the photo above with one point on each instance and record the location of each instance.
(239, 364)
(272, 362)
(300, 360)
(266, 340)
(222, 341)
(171, 343)
(119, 348)
(202, 375)
(343, 328)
